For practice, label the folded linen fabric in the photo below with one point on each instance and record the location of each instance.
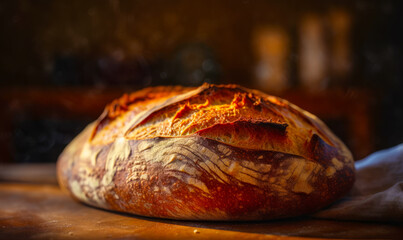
(377, 194)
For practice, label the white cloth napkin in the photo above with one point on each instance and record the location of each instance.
(377, 194)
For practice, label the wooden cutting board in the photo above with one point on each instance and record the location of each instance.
(40, 210)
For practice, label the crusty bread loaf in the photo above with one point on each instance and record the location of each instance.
(217, 152)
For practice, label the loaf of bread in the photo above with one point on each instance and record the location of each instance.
(216, 152)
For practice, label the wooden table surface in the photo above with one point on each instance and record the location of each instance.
(33, 207)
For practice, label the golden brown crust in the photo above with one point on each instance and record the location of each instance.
(121, 111)
(214, 152)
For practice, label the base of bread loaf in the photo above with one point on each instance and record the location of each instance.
(197, 178)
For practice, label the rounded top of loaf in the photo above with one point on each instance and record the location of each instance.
(229, 114)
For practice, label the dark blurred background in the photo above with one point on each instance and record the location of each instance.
(62, 61)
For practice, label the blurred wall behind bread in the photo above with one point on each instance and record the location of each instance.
(62, 61)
